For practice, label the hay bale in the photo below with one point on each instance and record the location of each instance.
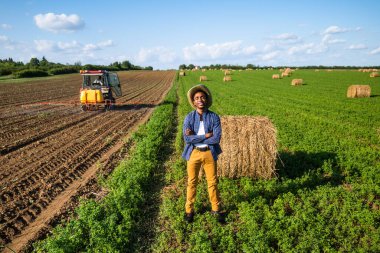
(296, 82)
(374, 74)
(275, 76)
(249, 147)
(202, 78)
(227, 72)
(182, 73)
(284, 74)
(359, 91)
(227, 79)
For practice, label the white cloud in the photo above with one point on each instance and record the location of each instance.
(269, 47)
(45, 45)
(249, 50)
(327, 39)
(335, 29)
(58, 22)
(286, 36)
(6, 26)
(157, 54)
(304, 48)
(202, 51)
(7, 43)
(4, 38)
(72, 47)
(375, 51)
(69, 45)
(270, 56)
(98, 46)
(357, 47)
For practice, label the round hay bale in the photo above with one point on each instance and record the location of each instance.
(227, 72)
(296, 82)
(227, 79)
(249, 147)
(182, 73)
(202, 78)
(275, 76)
(374, 74)
(284, 74)
(359, 91)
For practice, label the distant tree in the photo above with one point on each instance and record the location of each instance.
(182, 66)
(34, 62)
(149, 68)
(116, 64)
(77, 63)
(44, 62)
(126, 65)
(190, 66)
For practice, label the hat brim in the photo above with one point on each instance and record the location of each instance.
(195, 89)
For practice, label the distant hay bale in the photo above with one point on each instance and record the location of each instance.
(227, 72)
(296, 82)
(227, 79)
(182, 73)
(249, 147)
(202, 78)
(275, 76)
(284, 74)
(359, 91)
(203, 70)
(374, 74)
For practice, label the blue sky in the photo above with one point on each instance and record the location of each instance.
(165, 34)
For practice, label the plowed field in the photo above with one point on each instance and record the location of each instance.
(50, 148)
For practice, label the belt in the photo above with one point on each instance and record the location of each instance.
(202, 148)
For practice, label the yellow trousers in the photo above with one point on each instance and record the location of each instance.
(197, 159)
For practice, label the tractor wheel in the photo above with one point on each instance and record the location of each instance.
(84, 107)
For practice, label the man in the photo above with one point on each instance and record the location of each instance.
(98, 80)
(202, 132)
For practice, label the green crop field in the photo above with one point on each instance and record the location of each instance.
(326, 196)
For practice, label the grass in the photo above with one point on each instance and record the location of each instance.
(327, 195)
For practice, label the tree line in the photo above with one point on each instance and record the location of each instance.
(252, 66)
(43, 67)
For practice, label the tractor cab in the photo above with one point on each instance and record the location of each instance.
(99, 88)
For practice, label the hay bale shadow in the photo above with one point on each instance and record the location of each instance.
(296, 164)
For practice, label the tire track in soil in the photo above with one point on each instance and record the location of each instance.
(42, 175)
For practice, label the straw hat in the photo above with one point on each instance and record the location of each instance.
(195, 89)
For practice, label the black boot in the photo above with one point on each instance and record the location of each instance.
(219, 216)
(189, 217)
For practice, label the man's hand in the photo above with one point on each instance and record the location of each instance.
(189, 132)
(208, 135)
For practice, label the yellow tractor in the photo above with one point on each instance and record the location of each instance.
(98, 89)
